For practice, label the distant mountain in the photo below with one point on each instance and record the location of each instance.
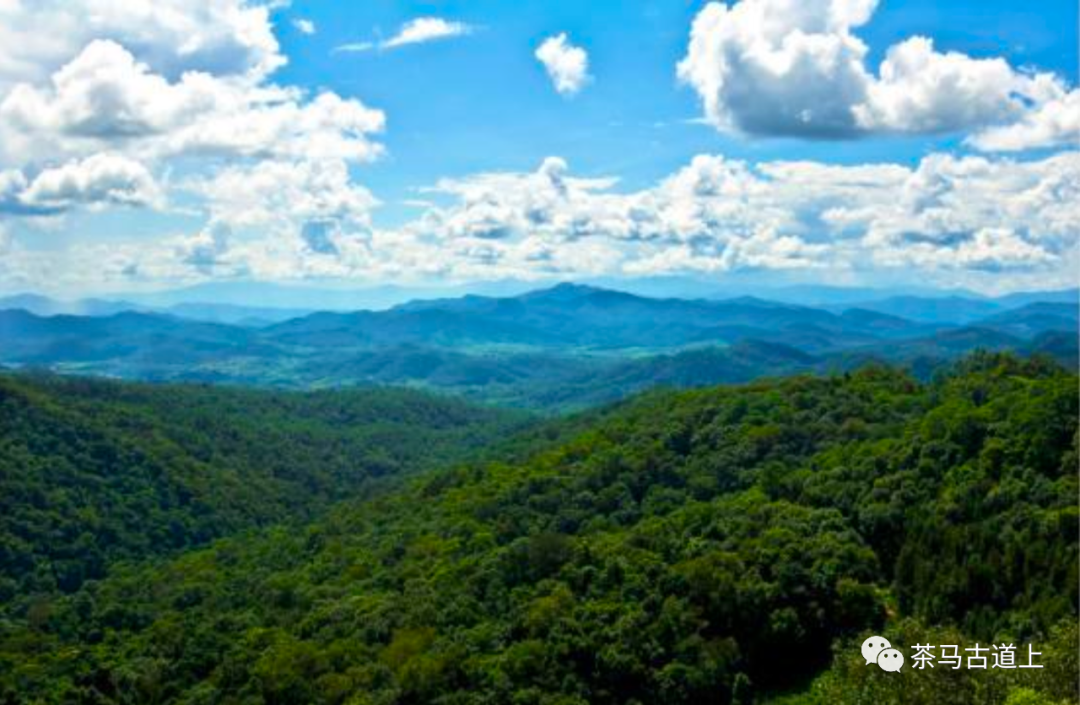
(1063, 347)
(699, 367)
(565, 315)
(45, 306)
(733, 285)
(1032, 319)
(135, 339)
(209, 312)
(254, 303)
(562, 347)
(832, 297)
(956, 341)
(961, 309)
(947, 310)
(252, 316)
(876, 320)
(253, 294)
(1022, 298)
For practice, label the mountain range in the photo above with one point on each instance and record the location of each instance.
(562, 347)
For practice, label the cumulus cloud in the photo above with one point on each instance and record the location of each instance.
(304, 26)
(98, 114)
(797, 68)
(567, 65)
(205, 251)
(1055, 122)
(151, 104)
(99, 180)
(779, 67)
(104, 97)
(715, 214)
(420, 30)
(222, 37)
(308, 218)
(922, 90)
(150, 109)
(983, 222)
(270, 192)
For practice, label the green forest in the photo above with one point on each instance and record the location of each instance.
(93, 472)
(198, 545)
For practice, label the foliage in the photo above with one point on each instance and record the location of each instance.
(92, 472)
(725, 545)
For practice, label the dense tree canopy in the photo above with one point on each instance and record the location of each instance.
(94, 471)
(726, 545)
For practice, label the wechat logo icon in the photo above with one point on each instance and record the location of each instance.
(877, 649)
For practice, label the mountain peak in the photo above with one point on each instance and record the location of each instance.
(564, 291)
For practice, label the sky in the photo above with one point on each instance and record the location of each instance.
(149, 145)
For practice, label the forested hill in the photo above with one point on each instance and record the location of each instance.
(95, 471)
(696, 547)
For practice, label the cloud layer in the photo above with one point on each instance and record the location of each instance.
(175, 102)
(989, 223)
(716, 214)
(797, 68)
(174, 108)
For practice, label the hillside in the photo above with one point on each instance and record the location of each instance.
(92, 472)
(686, 547)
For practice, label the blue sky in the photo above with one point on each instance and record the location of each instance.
(483, 103)
(174, 143)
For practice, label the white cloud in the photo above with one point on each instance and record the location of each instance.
(99, 180)
(12, 185)
(425, 29)
(102, 109)
(272, 192)
(222, 37)
(988, 249)
(567, 65)
(784, 67)
(304, 26)
(420, 30)
(205, 252)
(1055, 122)
(105, 98)
(948, 217)
(921, 90)
(355, 47)
(102, 94)
(797, 68)
(953, 220)
(283, 219)
(141, 104)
